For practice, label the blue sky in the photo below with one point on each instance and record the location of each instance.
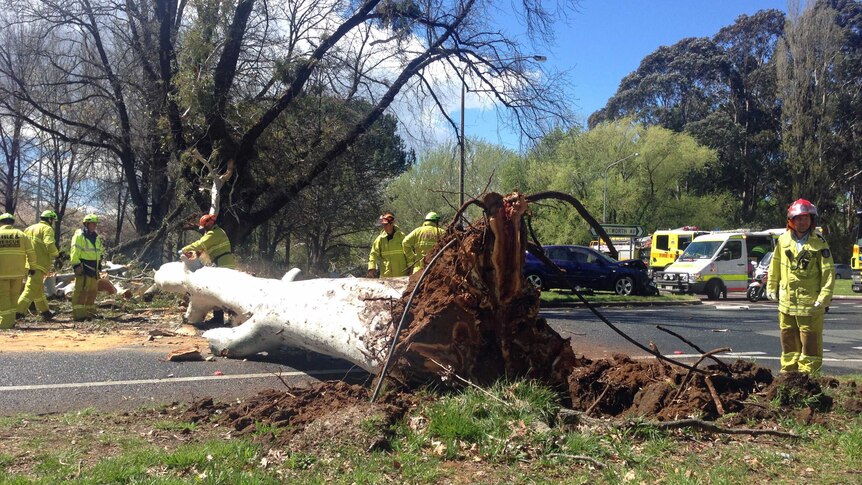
(606, 40)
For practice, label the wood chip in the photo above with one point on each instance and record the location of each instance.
(184, 355)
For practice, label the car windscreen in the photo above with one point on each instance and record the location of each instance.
(700, 250)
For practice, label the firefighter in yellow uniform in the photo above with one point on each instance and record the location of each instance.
(801, 277)
(41, 235)
(420, 240)
(86, 259)
(216, 245)
(386, 258)
(16, 252)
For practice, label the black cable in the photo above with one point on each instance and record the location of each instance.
(536, 250)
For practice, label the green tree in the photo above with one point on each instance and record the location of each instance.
(649, 189)
(806, 60)
(432, 184)
(722, 91)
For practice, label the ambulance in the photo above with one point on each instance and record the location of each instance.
(716, 263)
(667, 245)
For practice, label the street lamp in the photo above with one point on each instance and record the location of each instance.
(462, 140)
(605, 193)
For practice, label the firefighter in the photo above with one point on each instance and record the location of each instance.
(16, 254)
(86, 258)
(801, 278)
(41, 235)
(216, 245)
(386, 258)
(420, 240)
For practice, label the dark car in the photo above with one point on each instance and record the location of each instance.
(587, 268)
(842, 272)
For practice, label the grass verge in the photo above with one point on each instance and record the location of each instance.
(563, 296)
(506, 434)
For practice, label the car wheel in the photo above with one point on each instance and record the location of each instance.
(837, 276)
(624, 286)
(713, 290)
(536, 280)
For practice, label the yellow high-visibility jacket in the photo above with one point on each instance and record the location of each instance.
(16, 252)
(801, 277)
(388, 254)
(420, 240)
(87, 252)
(217, 246)
(41, 235)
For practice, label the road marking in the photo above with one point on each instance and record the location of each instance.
(731, 307)
(176, 379)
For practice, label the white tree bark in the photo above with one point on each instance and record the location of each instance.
(348, 318)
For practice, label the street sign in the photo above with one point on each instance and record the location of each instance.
(621, 230)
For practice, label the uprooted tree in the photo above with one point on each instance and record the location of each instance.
(470, 314)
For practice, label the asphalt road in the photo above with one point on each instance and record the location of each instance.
(749, 329)
(128, 378)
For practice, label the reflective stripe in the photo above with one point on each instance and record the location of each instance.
(726, 277)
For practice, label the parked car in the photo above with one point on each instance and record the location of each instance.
(842, 272)
(588, 268)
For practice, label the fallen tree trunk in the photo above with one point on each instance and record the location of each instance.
(474, 314)
(347, 318)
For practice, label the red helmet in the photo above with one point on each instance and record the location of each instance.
(801, 206)
(207, 220)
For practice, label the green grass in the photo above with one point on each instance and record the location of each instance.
(505, 434)
(565, 296)
(842, 287)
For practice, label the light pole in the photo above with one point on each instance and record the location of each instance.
(462, 140)
(605, 193)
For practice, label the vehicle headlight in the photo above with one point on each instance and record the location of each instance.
(693, 277)
(683, 277)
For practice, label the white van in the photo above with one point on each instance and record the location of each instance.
(716, 263)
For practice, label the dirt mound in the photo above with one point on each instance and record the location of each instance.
(798, 390)
(308, 417)
(624, 387)
(476, 314)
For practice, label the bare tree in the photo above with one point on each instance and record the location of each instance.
(152, 81)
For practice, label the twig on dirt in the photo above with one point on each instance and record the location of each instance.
(278, 376)
(709, 426)
(597, 401)
(595, 462)
(695, 347)
(693, 367)
(749, 403)
(449, 370)
(718, 406)
(660, 362)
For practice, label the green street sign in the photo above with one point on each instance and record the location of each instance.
(621, 230)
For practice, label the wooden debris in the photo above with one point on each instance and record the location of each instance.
(185, 355)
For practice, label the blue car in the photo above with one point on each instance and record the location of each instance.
(588, 268)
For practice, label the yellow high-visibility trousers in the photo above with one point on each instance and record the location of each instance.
(801, 342)
(34, 291)
(84, 297)
(9, 291)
